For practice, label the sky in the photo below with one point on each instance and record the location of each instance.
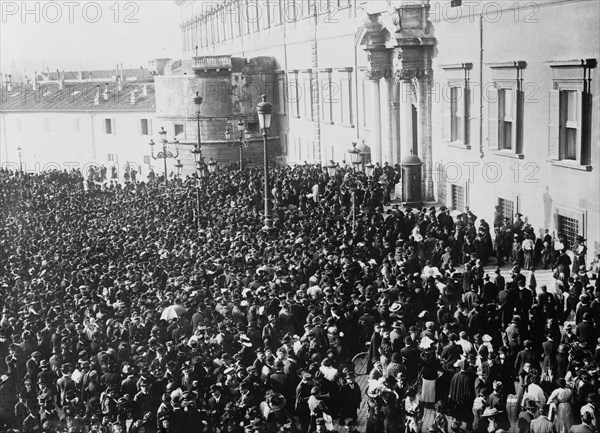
(87, 34)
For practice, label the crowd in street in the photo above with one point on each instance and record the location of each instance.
(132, 308)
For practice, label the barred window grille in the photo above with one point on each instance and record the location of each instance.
(458, 198)
(569, 227)
(507, 207)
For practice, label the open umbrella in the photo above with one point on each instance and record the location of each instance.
(173, 312)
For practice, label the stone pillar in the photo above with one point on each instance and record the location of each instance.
(425, 132)
(394, 143)
(374, 109)
(385, 94)
(405, 111)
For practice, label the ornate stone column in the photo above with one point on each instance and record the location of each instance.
(374, 110)
(414, 41)
(379, 67)
(394, 123)
(425, 100)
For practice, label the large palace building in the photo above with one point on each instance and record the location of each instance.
(495, 98)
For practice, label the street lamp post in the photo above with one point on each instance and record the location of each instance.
(164, 153)
(354, 155)
(244, 140)
(197, 152)
(264, 111)
(179, 168)
(20, 151)
(369, 168)
(332, 169)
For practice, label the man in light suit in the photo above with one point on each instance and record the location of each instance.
(542, 424)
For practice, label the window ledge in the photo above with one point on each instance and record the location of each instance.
(348, 125)
(458, 145)
(571, 164)
(508, 154)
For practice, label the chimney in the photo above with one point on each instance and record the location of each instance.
(117, 72)
(105, 93)
(34, 85)
(61, 80)
(97, 97)
(121, 71)
(80, 75)
(9, 86)
(132, 98)
(145, 90)
(119, 84)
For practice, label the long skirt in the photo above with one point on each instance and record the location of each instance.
(428, 391)
(563, 420)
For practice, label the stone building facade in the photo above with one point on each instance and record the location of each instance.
(495, 98)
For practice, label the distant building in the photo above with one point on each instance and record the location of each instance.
(60, 120)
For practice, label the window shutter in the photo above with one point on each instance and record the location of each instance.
(579, 105)
(515, 119)
(586, 125)
(113, 124)
(149, 126)
(519, 121)
(140, 126)
(553, 123)
(467, 115)
(460, 113)
(493, 118)
(446, 115)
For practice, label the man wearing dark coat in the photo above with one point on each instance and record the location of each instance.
(351, 398)
(461, 395)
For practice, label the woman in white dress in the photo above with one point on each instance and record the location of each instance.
(560, 407)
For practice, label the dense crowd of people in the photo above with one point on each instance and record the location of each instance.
(125, 308)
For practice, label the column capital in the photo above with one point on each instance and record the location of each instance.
(410, 74)
(380, 64)
(376, 74)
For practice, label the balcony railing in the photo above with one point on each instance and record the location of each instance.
(212, 62)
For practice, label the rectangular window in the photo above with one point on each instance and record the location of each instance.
(455, 114)
(569, 227)
(307, 96)
(506, 117)
(326, 97)
(290, 11)
(223, 24)
(281, 94)
(293, 95)
(275, 12)
(144, 127)
(570, 110)
(458, 197)
(178, 129)
(108, 126)
(346, 100)
(507, 208)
